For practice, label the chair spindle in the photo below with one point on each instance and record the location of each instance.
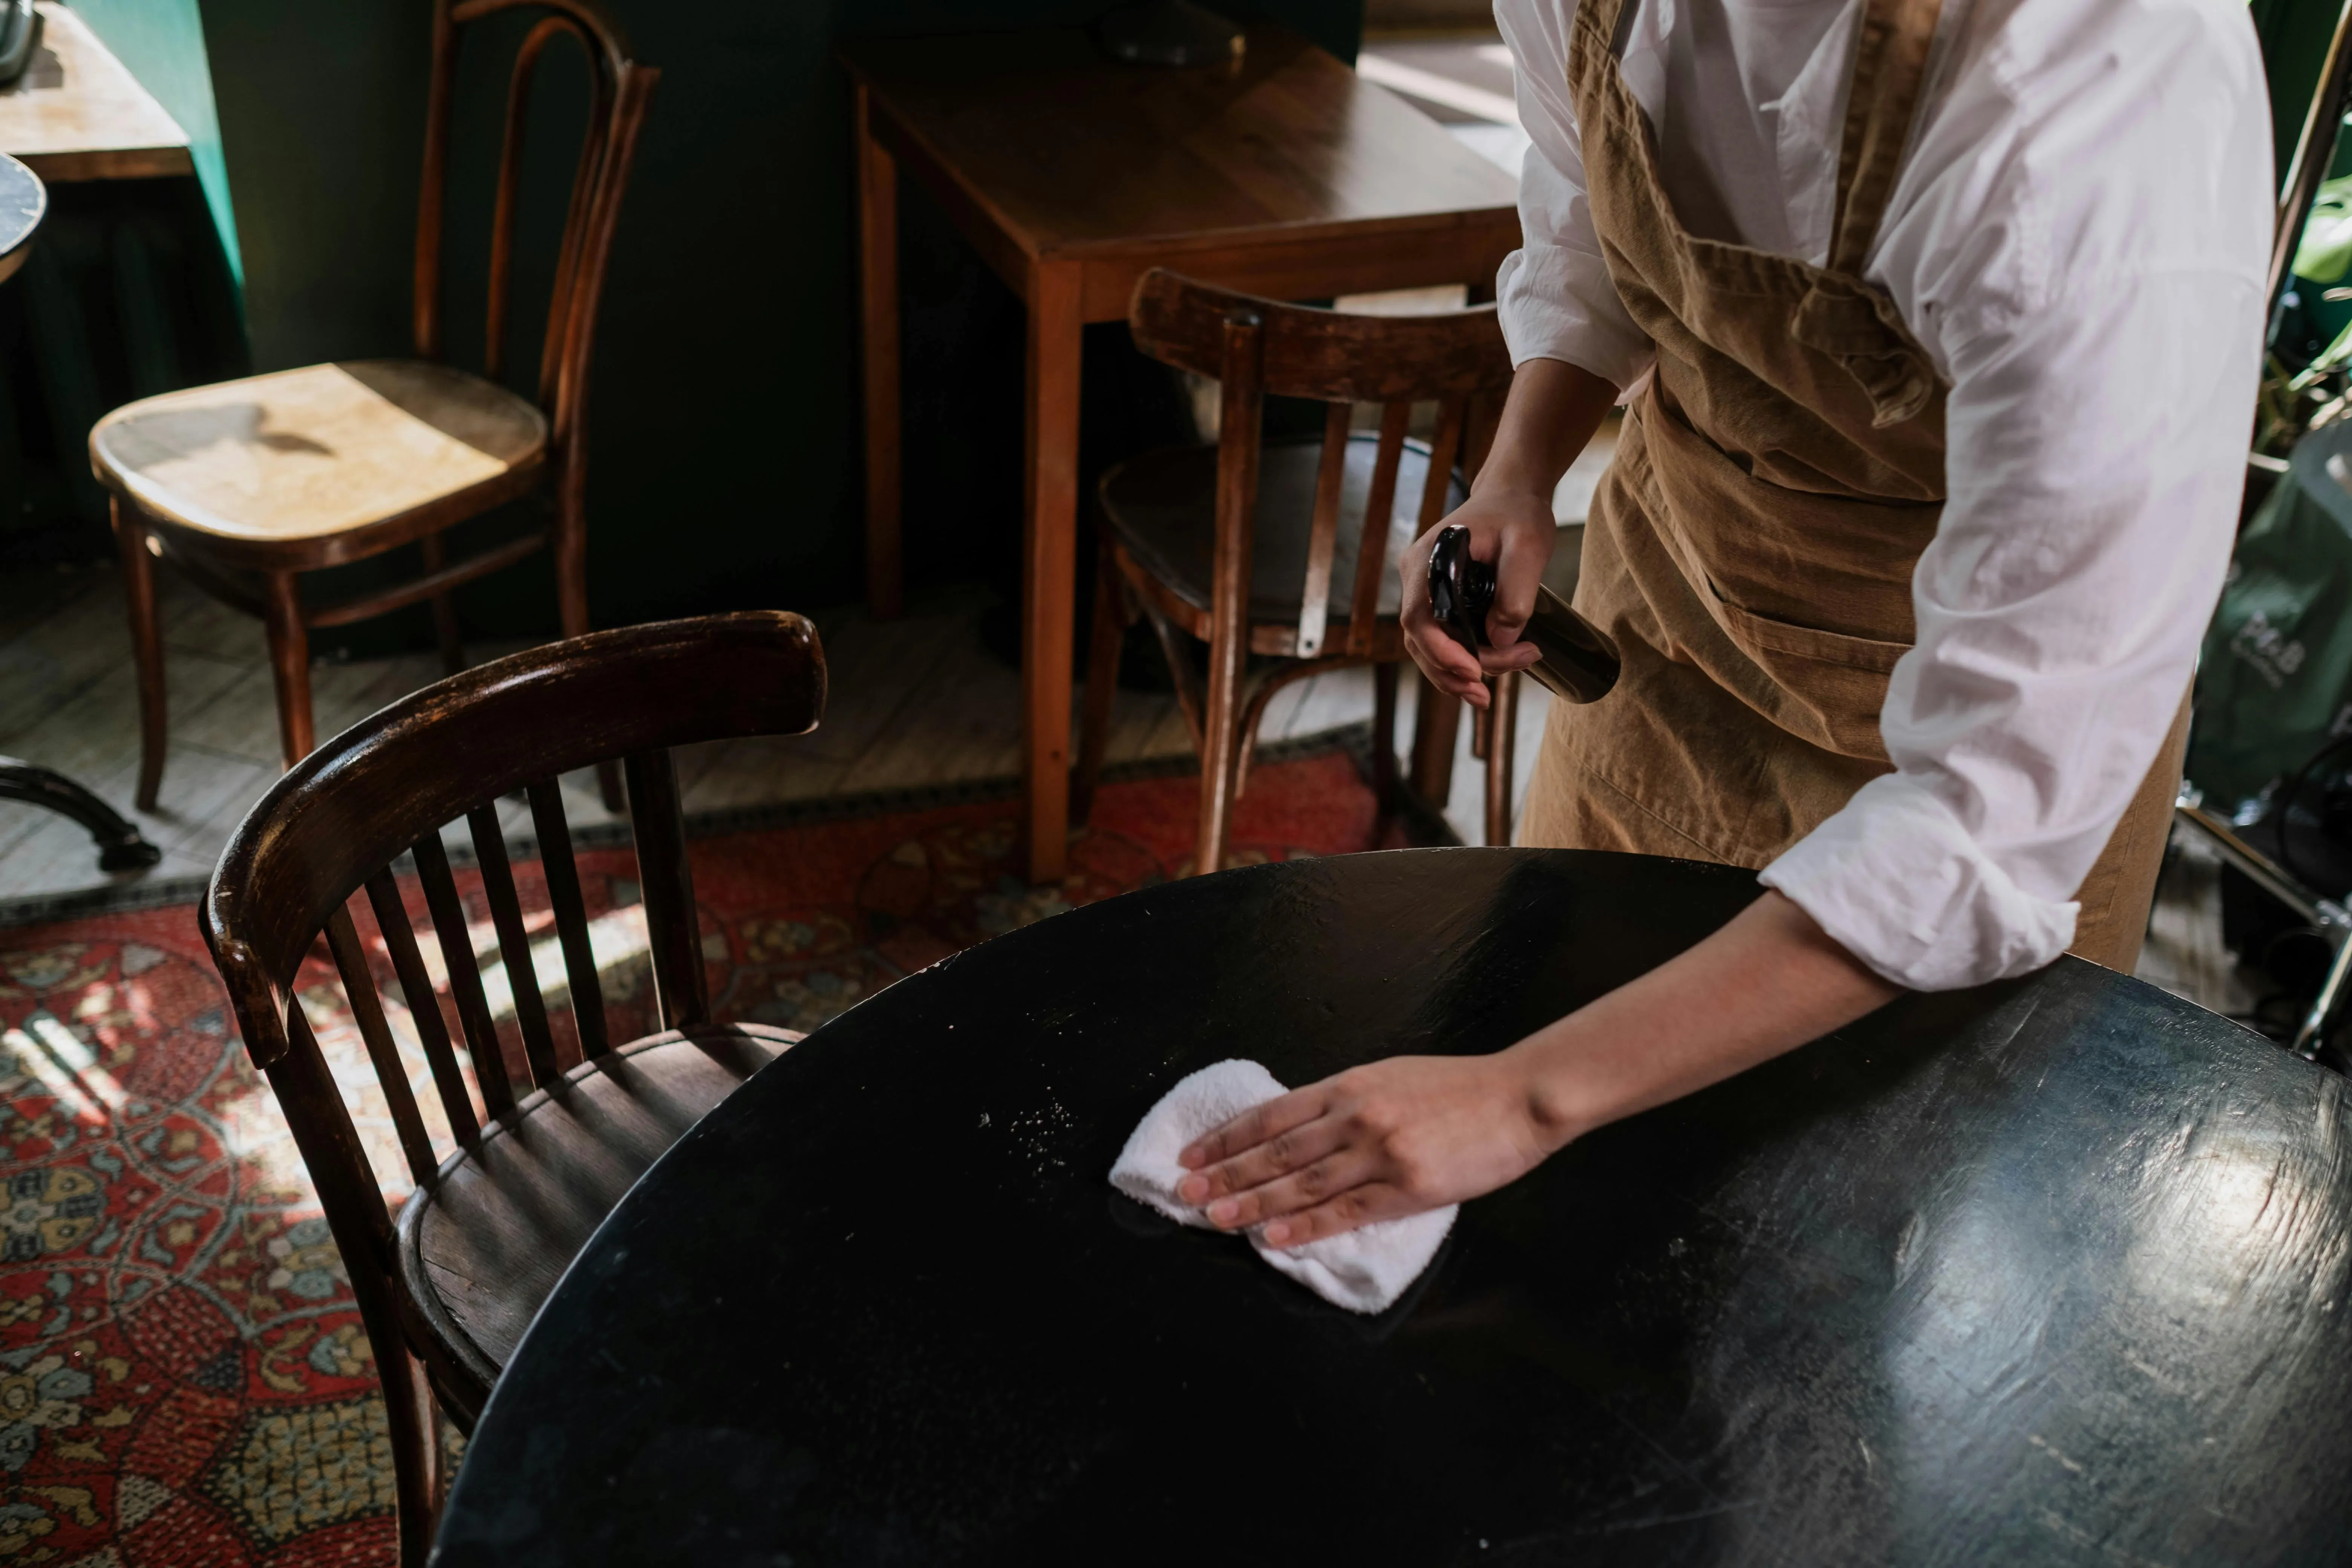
(423, 1005)
(465, 978)
(514, 944)
(571, 916)
(659, 821)
(1439, 482)
(330, 1148)
(1372, 555)
(1323, 531)
(383, 1052)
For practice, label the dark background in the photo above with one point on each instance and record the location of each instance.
(724, 464)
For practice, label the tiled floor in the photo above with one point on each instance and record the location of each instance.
(1462, 82)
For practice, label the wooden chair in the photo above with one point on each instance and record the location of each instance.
(1288, 549)
(558, 1134)
(248, 484)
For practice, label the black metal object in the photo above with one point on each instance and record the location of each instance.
(20, 32)
(119, 847)
(1166, 32)
(1579, 664)
(2050, 1271)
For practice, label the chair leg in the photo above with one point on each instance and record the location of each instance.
(445, 609)
(1384, 756)
(131, 537)
(415, 1422)
(289, 664)
(571, 543)
(1102, 684)
(571, 550)
(1503, 724)
(1221, 736)
(1175, 650)
(1435, 729)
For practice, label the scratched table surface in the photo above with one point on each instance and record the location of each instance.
(2051, 1271)
(24, 202)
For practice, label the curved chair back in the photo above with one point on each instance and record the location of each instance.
(620, 89)
(340, 819)
(1257, 348)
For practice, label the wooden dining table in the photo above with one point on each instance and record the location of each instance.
(2057, 1270)
(1282, 174)
(77, 113)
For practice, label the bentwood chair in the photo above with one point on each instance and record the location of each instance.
(567, 1118)
(1288, 549)
(245, 485)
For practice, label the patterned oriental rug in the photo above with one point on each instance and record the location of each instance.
(183, 1380)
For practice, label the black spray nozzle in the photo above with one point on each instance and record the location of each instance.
(1578, 662)
(1461, 588)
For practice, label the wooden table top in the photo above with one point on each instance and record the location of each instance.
(78, 114)
(2050, 1271)
(1072, 154)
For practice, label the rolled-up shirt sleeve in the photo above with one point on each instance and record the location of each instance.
(2096, 453)
(1553, 295)
(2079, 239)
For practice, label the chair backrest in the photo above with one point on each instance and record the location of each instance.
(620, 89)
(1257, 348)
(334, 825)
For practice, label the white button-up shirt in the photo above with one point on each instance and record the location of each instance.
(2078, 238)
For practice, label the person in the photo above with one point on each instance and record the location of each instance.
(1937, 331)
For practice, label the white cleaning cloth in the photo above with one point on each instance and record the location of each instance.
(1364, 1270)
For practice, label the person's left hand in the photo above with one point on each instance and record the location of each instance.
(1379, 1142)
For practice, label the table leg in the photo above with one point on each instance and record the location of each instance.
(120, 847)
(877, 281)
(1049, 566)
(1502, 729)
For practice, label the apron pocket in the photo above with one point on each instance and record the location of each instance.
(1825, 687)
(1761, 635)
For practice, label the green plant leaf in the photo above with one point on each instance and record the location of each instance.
(2326, 253)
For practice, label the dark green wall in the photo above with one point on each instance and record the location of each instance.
(162, 42)
(723, 458)
(2295, 34)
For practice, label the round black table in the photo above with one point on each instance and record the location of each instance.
(2050, 1271)
(24, 203)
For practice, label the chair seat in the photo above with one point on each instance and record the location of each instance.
(1162, 507)
(325, 450)
(482, 1249)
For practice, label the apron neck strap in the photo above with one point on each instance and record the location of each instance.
(1890, 69)
(1611, 18)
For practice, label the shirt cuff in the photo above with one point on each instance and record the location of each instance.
(1896, 881)
(1557, 303)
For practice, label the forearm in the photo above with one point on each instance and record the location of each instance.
(1765, 984)
(1548, 419)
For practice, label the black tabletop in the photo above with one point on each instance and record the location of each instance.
(2051, 1271)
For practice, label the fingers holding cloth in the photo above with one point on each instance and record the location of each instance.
(1348, 1185)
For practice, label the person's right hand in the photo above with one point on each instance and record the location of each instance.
(1514, 528)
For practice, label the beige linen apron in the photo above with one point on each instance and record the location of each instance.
(1752, 544)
